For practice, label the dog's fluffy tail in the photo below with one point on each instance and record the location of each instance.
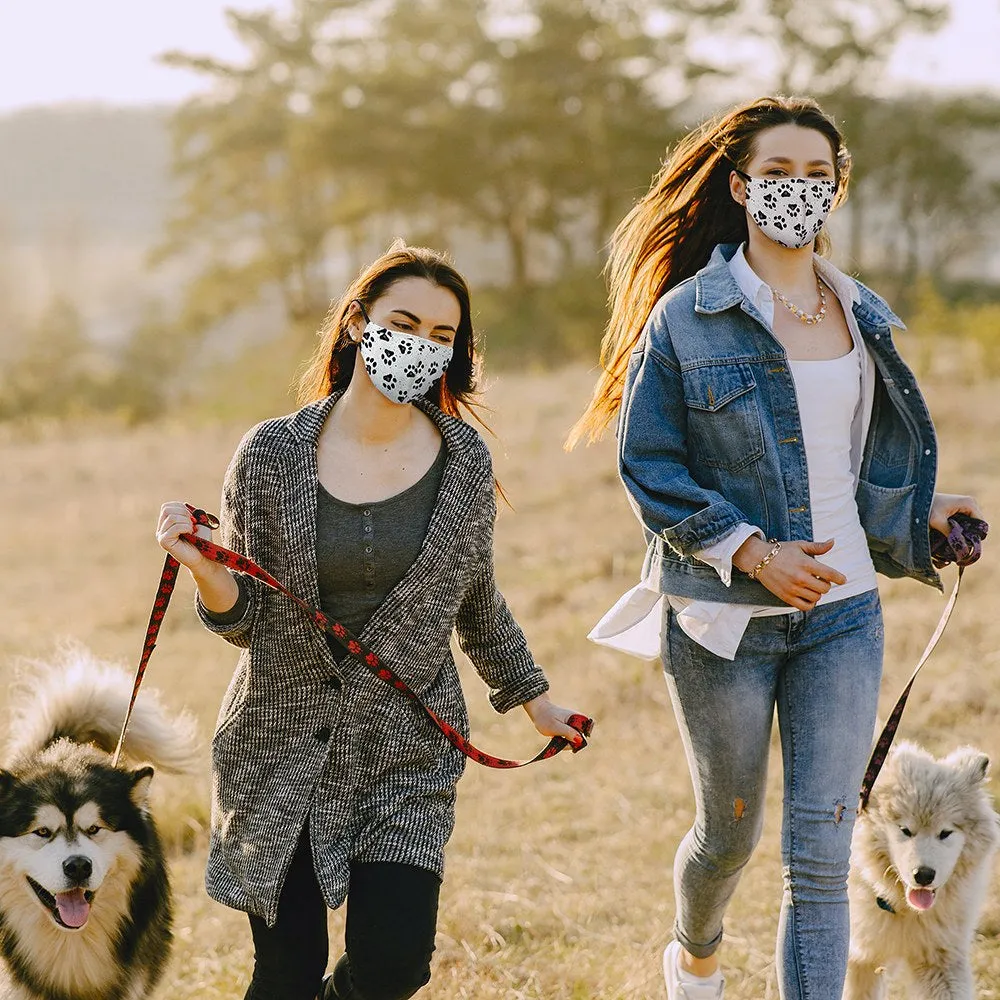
(84, 699)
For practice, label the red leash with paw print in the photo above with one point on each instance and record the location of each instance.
(241, 564)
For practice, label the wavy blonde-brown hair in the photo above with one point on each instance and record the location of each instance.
(669, 235)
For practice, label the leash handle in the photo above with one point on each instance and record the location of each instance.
(238, 563)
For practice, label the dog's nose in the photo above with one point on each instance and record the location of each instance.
(78, 868)
(923, 876)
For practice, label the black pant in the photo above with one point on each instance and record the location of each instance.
(391, 921)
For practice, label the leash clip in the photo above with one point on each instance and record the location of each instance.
(203, 518)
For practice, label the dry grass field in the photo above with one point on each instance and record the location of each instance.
(558, 885)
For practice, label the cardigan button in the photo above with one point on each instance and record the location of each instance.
(322, 734)
(335, 684)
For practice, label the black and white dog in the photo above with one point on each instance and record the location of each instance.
(85, 911)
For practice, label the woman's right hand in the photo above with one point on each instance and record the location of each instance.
(176, 520)
(794, 575)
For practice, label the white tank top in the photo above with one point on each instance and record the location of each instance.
(828, 394)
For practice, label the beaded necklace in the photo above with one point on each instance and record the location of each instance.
(811, 319)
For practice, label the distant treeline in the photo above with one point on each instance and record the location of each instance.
(514, 132)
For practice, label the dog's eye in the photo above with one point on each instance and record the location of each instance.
(905, 831)
(44, 832)
(944, 834)
(92, 831)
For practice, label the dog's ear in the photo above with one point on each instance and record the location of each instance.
(141, 777)
(7, 782)
(972, 764)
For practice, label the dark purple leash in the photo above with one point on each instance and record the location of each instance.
(963, 546)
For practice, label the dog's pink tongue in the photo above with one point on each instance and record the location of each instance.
(73, 907)
(920, 899)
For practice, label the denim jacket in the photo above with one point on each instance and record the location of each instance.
(709, 436)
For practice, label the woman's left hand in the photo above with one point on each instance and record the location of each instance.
(946, 504)
(550, 719)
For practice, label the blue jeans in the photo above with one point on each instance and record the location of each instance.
(822, 670)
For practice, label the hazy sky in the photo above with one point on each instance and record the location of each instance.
(84, 50)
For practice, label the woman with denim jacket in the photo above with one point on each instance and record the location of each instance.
(778, 453)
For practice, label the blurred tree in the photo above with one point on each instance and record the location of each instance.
(53, 372)
(841, 46)
(11, 304)
(937, 204)
(534, 122)
(530, 124)
(255, 202)
(144, 380)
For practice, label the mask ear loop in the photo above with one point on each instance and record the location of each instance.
(364, 312)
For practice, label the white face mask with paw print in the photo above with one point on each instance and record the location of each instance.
(789, 210)
(402, 366)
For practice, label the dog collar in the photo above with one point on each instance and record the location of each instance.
(884, 904)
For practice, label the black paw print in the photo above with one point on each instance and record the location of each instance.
(388, 356)
(389, 380)
(405, 346)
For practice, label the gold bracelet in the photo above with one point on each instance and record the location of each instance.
(774, 551)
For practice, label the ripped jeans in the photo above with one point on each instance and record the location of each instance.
(822, 670)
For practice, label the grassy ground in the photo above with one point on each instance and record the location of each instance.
(558, 884)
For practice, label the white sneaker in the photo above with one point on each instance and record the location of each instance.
(683, 985)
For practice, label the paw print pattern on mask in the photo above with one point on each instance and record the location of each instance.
(402, 366)
(789, 210)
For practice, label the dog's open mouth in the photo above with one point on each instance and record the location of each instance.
(69, 909)
(920, 899)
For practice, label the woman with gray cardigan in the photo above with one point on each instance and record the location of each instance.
(374, 502)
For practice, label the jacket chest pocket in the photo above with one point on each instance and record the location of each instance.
(724, 429)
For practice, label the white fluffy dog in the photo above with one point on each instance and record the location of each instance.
(920, 868)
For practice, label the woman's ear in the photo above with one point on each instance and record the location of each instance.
(737, 188)
(354, 323)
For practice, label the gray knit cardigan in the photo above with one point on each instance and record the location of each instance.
(300, 738)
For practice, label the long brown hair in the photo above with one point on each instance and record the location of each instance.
(332, 364)
(670, 234)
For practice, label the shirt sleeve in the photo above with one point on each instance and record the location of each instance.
(226, 619)
(720, 555)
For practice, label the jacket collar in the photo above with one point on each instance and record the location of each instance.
(716, 289)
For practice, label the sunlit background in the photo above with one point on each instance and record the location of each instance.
(185, 186)
(183, 189)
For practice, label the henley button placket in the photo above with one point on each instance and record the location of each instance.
(369, 565)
